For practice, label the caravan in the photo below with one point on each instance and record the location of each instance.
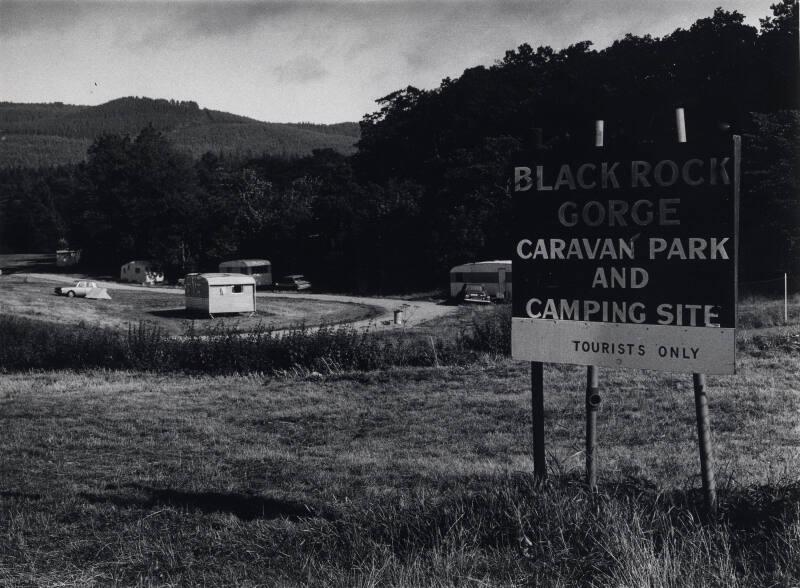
(141, 272)
(259, 269)
(493, 276)
(220, 293)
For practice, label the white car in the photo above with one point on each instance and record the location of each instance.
(292, 282)
(81, 288)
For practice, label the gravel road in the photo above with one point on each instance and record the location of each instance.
(415, 312)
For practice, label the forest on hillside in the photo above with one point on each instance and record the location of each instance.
(41, 135)
(428, 186)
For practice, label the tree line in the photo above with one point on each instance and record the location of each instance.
(428, 187)
(40, 135)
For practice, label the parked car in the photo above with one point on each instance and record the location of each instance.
(292, 282)
(81, 288)
(475, 294)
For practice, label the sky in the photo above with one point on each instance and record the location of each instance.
(318, 61)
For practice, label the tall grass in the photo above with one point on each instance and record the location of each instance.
(515, 531)
(487, 531)
(30, 344)
(490, 331)
(761, 345)
(759, 312)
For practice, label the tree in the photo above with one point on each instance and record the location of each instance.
(770, 207)
(779, 59)
(30, 221)
(140, 201)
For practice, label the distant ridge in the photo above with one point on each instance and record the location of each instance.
(33, 135)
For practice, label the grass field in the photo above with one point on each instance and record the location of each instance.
(758, 313)
(35, 299)
(399, 477)
(406, 477)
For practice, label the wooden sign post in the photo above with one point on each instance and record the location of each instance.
(592, 406)
(626, 257)
(537, 414)
(700, 398)
(592, 379)
(704, 442)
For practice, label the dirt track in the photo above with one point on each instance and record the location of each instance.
(415, 312)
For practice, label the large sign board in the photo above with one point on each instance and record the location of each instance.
(627, 257)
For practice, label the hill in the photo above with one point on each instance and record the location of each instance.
(50, 134)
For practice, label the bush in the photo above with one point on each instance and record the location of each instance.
(765, 313)
(762, 345)
(490, 332)
(31, 344)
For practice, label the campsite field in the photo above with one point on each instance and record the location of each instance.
(34, 298)
(406, 477)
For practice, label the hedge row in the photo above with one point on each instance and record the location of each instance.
(31, 344)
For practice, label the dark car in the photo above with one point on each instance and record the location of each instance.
(292, 282)
(475, 294)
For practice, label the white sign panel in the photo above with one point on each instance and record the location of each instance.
(649, 347)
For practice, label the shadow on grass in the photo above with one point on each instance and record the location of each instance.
(177, 313)
(758, 508)
(244, 507)
(20, 495)
(184, 314)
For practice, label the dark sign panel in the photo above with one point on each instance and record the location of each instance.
(627, 258)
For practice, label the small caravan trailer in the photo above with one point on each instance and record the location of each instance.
(141, 272)
(220, 293)
(494, 276)
(260, 269)
(67, 257)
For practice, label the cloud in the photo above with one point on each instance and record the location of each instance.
(259, 57)
(19, 18)
(231, 18)
(302, 69)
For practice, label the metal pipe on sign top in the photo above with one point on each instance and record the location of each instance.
(704, 442)
(592, 406)
(680, 123)
(537, 416)
(599, 128)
